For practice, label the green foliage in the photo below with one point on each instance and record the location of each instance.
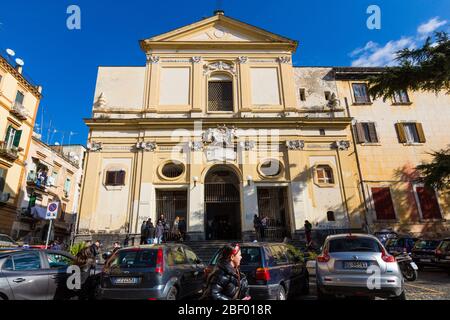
(426, 68)
(437, 173)
(76, 248)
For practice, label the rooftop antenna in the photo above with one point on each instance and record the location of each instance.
(71, 133)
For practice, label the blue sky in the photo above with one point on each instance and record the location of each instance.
(65, 61)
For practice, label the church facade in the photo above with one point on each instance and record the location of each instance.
(215, 129)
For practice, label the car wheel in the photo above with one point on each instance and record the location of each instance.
(402, 296)
(305, 289)
(281, 293)
(172, 294)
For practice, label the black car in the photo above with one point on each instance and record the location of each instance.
(34, 274)
(400, 245)
(153, 272)
(423, 252)
(443, 255)
(275, 271)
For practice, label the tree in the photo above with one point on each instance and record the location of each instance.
(437, 173)
(426, 68)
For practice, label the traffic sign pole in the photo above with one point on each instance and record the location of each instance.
(48, 234)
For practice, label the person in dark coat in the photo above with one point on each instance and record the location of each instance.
(150, 232)
(257, 226)
(143, 232)
(159, 232)
(182, 228)
(85, 259)
(308, 230)
(226, 282)
(95, 249)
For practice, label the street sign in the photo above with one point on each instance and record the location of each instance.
(52, 211)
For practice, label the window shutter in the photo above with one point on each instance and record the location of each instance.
(8, 133)
(373, 132)
(384, 207)
(401, 132)
(360, 133)
(17, 137)
(420, 133)
(121, 178)
(428, 203)
(109, 178)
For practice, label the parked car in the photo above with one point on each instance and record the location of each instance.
(275, 271)
(443, 255)
(400, 245)
(7, 242)
(424, 252)
(34, 274)
(153, 272)
(342, 268)
(385, 235)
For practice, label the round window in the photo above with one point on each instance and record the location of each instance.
(271, 168)
(172, 170)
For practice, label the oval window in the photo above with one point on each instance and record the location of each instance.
(172, 170)
(271, 168)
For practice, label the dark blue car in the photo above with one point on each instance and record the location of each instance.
(275, 271)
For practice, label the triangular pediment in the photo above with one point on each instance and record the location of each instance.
(220, 28)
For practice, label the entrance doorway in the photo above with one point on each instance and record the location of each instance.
(223, 205)
(274, 206)
(171, 204)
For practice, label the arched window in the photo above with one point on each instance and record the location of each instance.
(220, 93)
(324, 174)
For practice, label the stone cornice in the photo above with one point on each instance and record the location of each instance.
(19, 77)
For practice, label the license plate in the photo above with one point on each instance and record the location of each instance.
(126, 280)
(356, 265)
(414, 266)
(425, 260)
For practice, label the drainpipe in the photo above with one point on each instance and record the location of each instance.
(358, 164)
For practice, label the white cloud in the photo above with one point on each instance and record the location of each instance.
(376, 55)
(431, 26)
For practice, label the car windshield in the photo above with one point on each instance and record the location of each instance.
(251, 256)
(6, 239)
(445, 245)
(392, 242)
(426, 244)
(354, 244)
(134, 259)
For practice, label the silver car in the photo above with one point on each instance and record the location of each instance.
(357, 265)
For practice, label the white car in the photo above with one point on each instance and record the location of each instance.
(357, 265)
(7, 242)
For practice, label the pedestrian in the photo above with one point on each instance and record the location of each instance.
(56, 246)
(95, 249)
(126, 241)
(264, 224)
(150, 233)
(176, 228)
(182, 228)
(85, 260)
(143, 231)
(308, 230)
(116, 247)
(159, 232)
(257, 226)
(226, 282)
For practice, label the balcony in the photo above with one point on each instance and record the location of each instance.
(9, 153)
(19, 111)
(39, 182)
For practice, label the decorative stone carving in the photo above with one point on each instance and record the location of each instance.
(220, 136)
(295, 145)
(243, 59)
(146, 146)
(101, 101)
(248, 145)
(153, 59)
(219, 66)
(94, 146)
(285, 59)
(196, 59)
(342, 145)
(197, 146)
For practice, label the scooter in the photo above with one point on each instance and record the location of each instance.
(407, 266)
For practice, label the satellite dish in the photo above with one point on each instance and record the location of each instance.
(20, 62)
(10, 52)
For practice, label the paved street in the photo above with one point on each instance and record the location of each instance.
(432, 284)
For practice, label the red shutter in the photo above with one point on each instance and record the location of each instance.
(428, 203)
(384, 206)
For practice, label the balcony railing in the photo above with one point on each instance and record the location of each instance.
(10, 153)
(19, 111)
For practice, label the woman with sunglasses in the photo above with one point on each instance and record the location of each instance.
(226, 282)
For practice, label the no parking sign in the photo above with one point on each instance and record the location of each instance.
(52, 211)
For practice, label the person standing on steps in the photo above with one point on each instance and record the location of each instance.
(308, 231)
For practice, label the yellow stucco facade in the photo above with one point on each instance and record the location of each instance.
(19, 102)
(158, 143)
